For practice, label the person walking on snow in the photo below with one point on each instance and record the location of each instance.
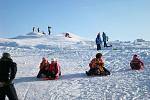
(8, 70)
(98, 41)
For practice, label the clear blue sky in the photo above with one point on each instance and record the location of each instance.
(120, 19)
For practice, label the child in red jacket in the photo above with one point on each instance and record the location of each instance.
(44, 66)
(136, 63)
(54, 69)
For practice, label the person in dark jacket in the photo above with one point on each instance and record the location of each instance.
(98, 41)
(104, 39)
(38, 29)
(33, 29)
(49, 31)
(8, 70)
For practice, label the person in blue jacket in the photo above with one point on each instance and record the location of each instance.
(98, 41)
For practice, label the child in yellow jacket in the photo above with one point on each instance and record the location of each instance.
(97, 66)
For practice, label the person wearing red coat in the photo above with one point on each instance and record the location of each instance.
(44, 66)
(136, 63)
(54, 69)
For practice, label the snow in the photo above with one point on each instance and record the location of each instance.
(74, 55)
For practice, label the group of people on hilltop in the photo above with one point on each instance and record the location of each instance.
(99, 40)
(38, 30)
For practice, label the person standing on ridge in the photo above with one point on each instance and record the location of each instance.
(49, 31)
(8, 70)
(33, 29)
(38, 29)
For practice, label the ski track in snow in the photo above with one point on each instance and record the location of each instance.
(122, 84)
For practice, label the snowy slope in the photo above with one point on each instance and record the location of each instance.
(74, 55)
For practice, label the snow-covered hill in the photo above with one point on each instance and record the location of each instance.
(74, 54)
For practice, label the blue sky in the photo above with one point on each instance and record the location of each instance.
(120, 19)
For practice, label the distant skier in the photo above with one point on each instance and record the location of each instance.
(136, 63)
(49, 31)
(8, 70)
(98, 41)
(44, 66)
(33, 29)
(97, 66)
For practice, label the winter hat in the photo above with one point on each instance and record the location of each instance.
(53, 59)
(6, 55)
(135, 55)
(98, 55)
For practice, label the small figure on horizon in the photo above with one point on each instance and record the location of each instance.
(136, 63)
(67, 35)
(38, 29)
(49, 31)
(98, 41)
(43, 33)
(33, 29)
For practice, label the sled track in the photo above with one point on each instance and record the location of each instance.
(26, 93)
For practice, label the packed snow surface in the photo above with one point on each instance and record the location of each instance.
(74, 55)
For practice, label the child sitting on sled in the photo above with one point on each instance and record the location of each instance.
(54, 69)
(97, 66)
(136, 63)
(44, 66)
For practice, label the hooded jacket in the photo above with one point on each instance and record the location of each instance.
(8, 69)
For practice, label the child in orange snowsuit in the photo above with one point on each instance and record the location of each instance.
(44, 65)
(97, 66)
(136, 63)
